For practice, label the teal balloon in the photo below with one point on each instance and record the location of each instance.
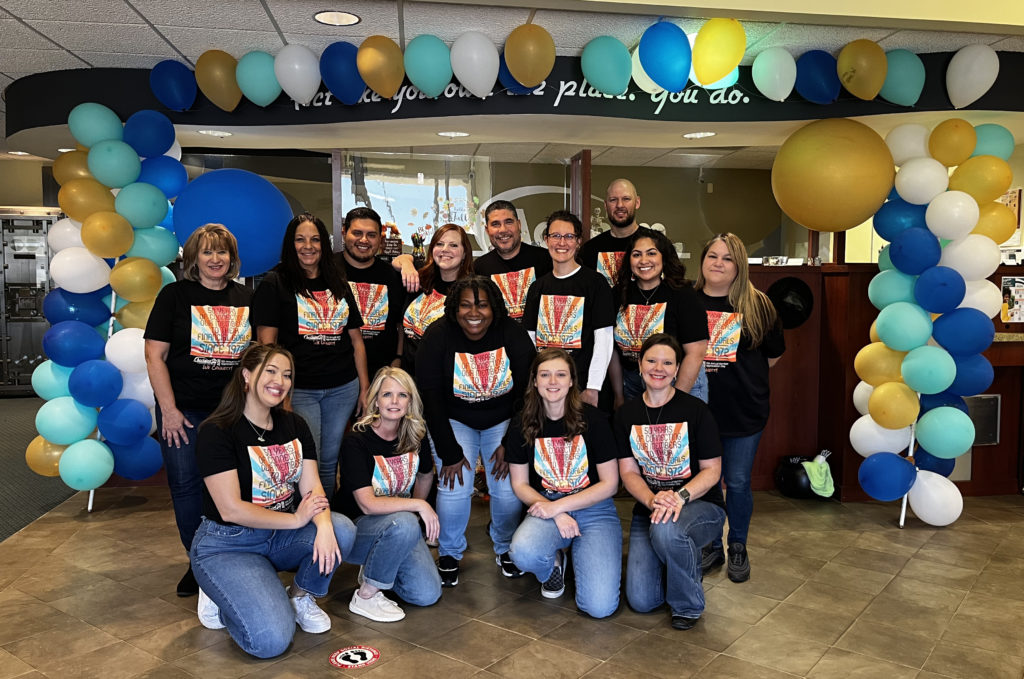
(928, 369)
(428, 63)
(91, 123)
(64, 420)
(88, 466)
(167, 276)
(120, 303)
(255, 77)
(143, 205)
(945, 432)
(50, 380)
(607, 65)
(884, 261)
(904, 78)
(157, 244)
(994, 140)
(891, 286)
(114, 163)
(903, 326)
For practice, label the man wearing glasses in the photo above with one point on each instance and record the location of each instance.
(604, 252)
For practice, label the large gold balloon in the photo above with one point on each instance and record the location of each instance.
(984, 177)
(107, 234)
(952, 141)
(136, 279)
(79, 198)
(832, 175)
(530, 54)
(215, 75)
(381, 64)
(877, 364)
(718, 49)
(996, 221)
(862, 67)
(43, 457)
(135, 314)
(894, 405)
(71, 165)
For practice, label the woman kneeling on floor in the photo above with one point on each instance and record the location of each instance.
(386, 472)
(265, 511)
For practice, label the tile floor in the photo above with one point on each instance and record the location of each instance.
(836, 591)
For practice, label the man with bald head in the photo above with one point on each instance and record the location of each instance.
(605, 251)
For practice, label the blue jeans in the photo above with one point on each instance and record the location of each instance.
(596, 554)
(326, 411)
(453, 505)
(391, 550)
(674, 547)
(737, 465)
(237, 568)
(183, 477)
(633, 385)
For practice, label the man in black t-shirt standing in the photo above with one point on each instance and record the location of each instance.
(604, 253)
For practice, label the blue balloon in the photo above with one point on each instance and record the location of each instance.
(114, 163)
(508, 81)
(174, 84)
(61, 305)
(816, 77)
(139, 461)
(150, 133)
(96, 383)
(904, 326)
(607, 65)
(91, 123)
(974, 374)
(928, 369)
(157, 244)
(252, 208)
(963, 332)
(945, 432)
(428, 64)
(50, 380)
(666, 56)
(338, 71)
(940, 289)
(64, 420)
(993, 140)
(886, 476)
(168, 221)
(945, 398)
(143, 205)
(69, 343)
(914, 250)
(125, 422)
(930, 463)
(86, 465)
(889, 287)
(165, 173)
(904, 78)
(896, 216)
(255, 77)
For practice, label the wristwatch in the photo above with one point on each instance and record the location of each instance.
(684, 495)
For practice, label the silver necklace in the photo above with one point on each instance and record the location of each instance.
(647, 410)
(647, 297)
(260, 433)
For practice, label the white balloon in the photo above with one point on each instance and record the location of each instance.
(152, 421)
(907, 141)
(640, 77)
(868, 437)
(126, 349)
(76, 269)
(861, 394)
(983, 295)
(475, 62)
(935, 499)
(921, 179)
(952, 214)
(137, 386)
(297, 70)
(774, 73)
(65, 233)
(974, 256)
(970, 74)
(174, 151)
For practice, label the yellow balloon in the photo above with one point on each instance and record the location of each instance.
(873, 333)
(381, 64)
(136, 279)
(877, 364)
(215, 75)
(79, 198)
(718, 49)
(996, 221)
(984, 177)
(71, 165)
(107, 234)
(894, 405)
(43, 457)
(952, 141)
(530, 54)
(832, 175)
(135, 314)
(862, 67)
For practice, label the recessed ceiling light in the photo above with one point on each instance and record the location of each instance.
(698, 135)
(452, 135)
(215, 133)
(66, 150)
(18, 153)
(331, 18)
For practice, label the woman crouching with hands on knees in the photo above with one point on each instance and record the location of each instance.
(679, 506)
(264, 511)
(562, 462)
(387, 470)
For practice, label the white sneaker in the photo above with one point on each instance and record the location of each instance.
(378, 608)
(310, 617)
(209, 612)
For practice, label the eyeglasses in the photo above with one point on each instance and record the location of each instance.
(567, 237)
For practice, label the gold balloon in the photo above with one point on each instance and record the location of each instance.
(718, 49)
(984, 177)
(136, 279)
(894, 405)
(215, 75)
(996, 221)
(43, 457)
(529, 54)
(832, 175)
(952, 141)
(877, 364)
(107, 234)
(135, 314)
(862, 67)
(71, 165)
(79, 198)
(873, 333)
(381, 64)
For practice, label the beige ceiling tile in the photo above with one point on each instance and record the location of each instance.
(194, 41)
(35, 60)
(120, 60)
(240, 14)
(448, 22)
(16, 35)
(132, 38)
(625, 155)
(921, 42)
(510, 153)
(684, 159)
(800, 38)
(296, 16)
(561, 153)
(111, 11)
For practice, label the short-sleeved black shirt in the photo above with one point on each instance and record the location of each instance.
(515, 275)
(380, 296)
(421, 311)
(367, 460)
(679, 312)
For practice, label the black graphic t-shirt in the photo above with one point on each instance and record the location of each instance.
(680, 313)
(207, 331)
(268, 470)
(368, 461)
(604, 253)
(668, 443)
(420, 313)
(514, 276)
(380, 296)
(314, 328)
(558, 465)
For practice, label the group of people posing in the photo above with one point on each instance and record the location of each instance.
(563, 370)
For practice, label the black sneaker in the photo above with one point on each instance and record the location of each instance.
(187, 586)
(739, 564)
(448, 567)
(554, 586)
(508, 568)
(710, 559)
(683, 623)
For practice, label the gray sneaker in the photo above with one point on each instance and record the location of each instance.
(554, 586)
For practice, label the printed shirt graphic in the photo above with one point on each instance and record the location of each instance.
(219, 335)
(562, 465)
(394, 475)
(372, 300)
(275, 473)
(724, 330)
(479, 377)
(423, 311)
(635, 324)
(560, 322)
(662, 451)
(322, 317)
(608, 264)
(513, 286)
